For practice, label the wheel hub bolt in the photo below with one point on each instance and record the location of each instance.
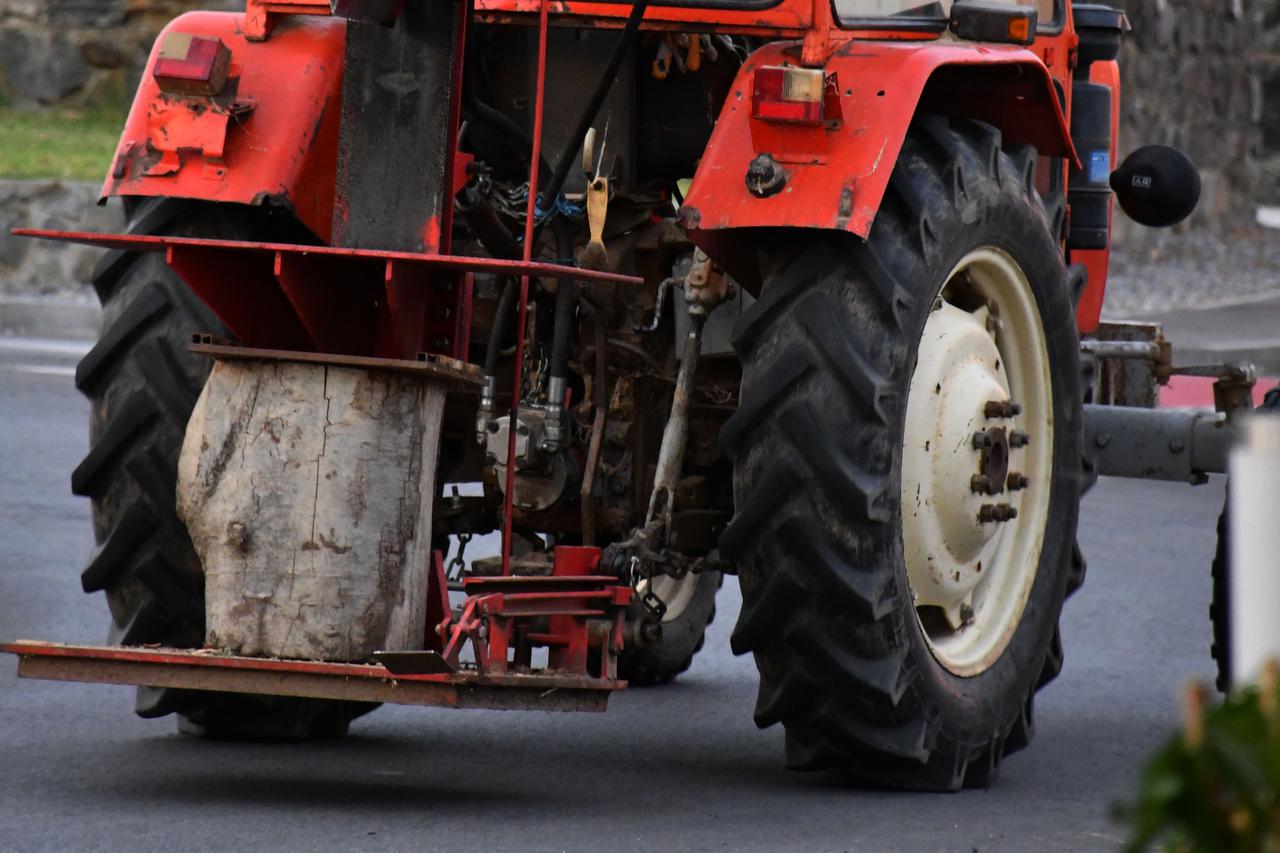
(1001, 409)
(981, 440)
(996, 512)
(1018, 438)
(981, 484)
(1017, 482)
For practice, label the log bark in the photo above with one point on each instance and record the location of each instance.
(307, 491)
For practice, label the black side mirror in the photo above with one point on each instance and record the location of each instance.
(1157, 186)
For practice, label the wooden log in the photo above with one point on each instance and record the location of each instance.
(307, 491)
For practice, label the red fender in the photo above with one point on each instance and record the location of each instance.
(837, 174)
(272, 139)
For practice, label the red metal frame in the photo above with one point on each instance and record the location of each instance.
(272, 137)
(331, 299)
(571, 612)
(205, 670)
(535, 158)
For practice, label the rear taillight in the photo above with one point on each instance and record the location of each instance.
(790, 94)
(191, 65)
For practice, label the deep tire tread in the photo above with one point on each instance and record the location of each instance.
(820, 608)
(142, 383)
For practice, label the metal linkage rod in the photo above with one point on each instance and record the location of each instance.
(535, 158)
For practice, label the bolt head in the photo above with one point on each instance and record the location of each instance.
(981, 440)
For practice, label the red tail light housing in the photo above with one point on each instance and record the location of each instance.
(793, 95)
(191, 65)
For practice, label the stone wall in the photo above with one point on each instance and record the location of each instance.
(1200, 75)
(74, 51)
(38, 268)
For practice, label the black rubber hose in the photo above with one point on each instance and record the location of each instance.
(484, 223)
(506, 303)
(515, 135)
(564, 306)
(573, 147)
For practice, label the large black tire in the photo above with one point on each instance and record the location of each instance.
(143, 381)
(683, 634)
(1220, 605)
(828, 353)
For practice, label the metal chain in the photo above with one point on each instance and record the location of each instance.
(641, 573)
(454, 570)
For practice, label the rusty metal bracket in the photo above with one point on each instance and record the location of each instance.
(201, 670)
(427, 364)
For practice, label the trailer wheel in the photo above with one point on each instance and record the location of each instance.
(142, 382)
(691, 607)
(1220, 606)
(900, 398)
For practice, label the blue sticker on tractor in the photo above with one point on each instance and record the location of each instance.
(1099, 167)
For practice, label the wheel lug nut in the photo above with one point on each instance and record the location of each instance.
(981, 484)
(1017, 481)
(981, 440)
(996, 512)
(1001, 409)
(1018, 438)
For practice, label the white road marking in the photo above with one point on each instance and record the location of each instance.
(47, 346)
(40, 369)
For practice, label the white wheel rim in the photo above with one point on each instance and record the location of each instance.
(970, 579)
(676, 593)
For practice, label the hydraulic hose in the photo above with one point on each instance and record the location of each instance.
(485, 224)
(559, 367)
(574, 145)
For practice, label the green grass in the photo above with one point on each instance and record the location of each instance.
(71, 144)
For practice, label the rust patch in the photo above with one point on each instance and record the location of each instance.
(845, 209)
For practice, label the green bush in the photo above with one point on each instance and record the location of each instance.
(1216, 787)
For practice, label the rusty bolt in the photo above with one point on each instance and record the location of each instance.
(1016, 481)
(981, 440)
(1018, 438)
(996, 512)
(1001, 409)
(981, 484)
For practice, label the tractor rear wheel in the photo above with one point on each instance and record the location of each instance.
(142, 382)
(908, 470)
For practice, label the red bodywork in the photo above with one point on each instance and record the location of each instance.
(837, 173)
(270, 136)
(274, 137)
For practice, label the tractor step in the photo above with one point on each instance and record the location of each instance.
(199, 669)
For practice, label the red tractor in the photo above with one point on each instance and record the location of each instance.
(787, 289)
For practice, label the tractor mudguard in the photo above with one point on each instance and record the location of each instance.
(269, 137)
(836, 173)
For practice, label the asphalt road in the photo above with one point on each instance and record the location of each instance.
(678, 768)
